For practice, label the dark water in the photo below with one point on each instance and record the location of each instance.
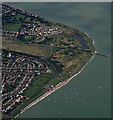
(89, 94)
(81, 41)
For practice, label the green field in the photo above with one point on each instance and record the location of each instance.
(53, 82)
(42, 78)
(28, 49)
(36, 84)
(40, 38)
(20, 16)
(32, 90)
(12, 27)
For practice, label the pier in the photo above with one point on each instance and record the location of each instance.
(101, 54)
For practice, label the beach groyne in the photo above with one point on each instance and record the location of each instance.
(96, 52)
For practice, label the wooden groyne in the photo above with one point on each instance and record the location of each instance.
(101, 54)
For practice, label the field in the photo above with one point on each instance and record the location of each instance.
(53, 82)
(28, 49)
(12, 27)
(36, 84)
(74, 68)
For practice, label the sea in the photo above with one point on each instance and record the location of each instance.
(87, 95)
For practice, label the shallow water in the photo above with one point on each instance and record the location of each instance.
(89, 94)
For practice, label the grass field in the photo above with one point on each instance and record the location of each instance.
(32, 90)
(18, 16)
(40, 38)
(36, 84)
(11, 27)
(28, 49)
(53, 82)
(42, 78)
(74, 68)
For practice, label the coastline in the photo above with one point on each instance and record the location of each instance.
(56, 87)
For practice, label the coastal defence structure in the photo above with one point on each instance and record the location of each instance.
(96, 52)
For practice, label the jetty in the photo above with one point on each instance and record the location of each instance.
(96, 52)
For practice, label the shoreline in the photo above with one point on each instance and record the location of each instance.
(55, 88)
